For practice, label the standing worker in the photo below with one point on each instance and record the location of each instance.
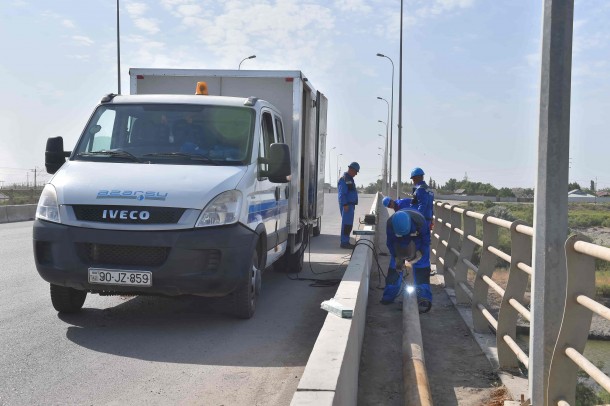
(423, 199)
(348, 199)
(408, 238)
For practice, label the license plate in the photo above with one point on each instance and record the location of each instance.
(114, 277)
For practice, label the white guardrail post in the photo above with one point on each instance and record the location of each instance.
(441, 233)
(520, 254)
(487, 267)
(453, 243)
(462, 291)
(576, 323)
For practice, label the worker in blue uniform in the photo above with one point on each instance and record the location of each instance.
(397, 204)
(408, 238)
(348, 199)
(423, 198)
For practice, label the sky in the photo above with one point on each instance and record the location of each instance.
(470, 68)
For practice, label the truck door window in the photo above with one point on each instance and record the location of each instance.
(100, 134)
(267, 138)
(280, 130)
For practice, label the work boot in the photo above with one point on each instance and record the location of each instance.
(347, 246)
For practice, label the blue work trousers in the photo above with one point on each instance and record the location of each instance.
(347, 223)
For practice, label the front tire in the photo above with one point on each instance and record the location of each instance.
(244, 297)
(67, 300)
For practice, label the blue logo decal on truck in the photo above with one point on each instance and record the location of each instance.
(131, 195)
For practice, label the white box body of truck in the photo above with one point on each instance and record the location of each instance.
(167, 192)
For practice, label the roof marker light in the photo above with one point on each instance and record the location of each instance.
(202, 88)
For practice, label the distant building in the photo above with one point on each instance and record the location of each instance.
(461, 192)
(603, 193)
(3, 197)
(578, 195)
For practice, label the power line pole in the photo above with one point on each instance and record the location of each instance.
(551, 197)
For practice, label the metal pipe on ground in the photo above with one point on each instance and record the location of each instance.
(415, 378)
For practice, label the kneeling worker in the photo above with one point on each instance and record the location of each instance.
(408, 238)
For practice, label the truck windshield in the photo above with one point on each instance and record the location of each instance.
(168, 134)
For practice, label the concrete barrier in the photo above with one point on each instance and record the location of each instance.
(23, 212)
(331, 373)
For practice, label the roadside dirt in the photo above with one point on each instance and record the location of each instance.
(458, 371)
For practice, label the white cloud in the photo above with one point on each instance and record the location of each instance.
(136, 12)
(289, 31)
(353, 6)
(432, 8)
(149, 25)
(83, 40)
(67, 23)
(136, 9)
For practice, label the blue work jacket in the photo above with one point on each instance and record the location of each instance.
(423, 200)
(420, 233)
(347, 190)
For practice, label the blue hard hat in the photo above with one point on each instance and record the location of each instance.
(417, 172)
(354, 166)
(386, 201)
(401, 222)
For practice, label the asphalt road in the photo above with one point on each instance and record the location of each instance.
(156, 350)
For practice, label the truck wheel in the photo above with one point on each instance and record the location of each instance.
(317, 227)
(244, 297)
(67, 300)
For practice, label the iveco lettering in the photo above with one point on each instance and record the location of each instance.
(125, 214)
(193, 184)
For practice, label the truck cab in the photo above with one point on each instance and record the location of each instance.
(166, 194)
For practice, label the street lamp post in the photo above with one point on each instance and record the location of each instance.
(338, 173)
(386, 128)
(387, 178)
(386, 185)
(118, 48)
(392, 111)
(248, 57)
(330, 178)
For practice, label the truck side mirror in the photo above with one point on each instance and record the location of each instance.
(54, 156)
(279, 163)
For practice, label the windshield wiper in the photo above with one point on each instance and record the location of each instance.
(114, 152)
(193, 157)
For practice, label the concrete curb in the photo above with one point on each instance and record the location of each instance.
(331, 373)
(23, 212)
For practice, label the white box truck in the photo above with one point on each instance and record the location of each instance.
(171, 192)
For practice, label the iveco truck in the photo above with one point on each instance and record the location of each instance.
(192, 185)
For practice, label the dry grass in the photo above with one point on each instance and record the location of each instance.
(497, 397)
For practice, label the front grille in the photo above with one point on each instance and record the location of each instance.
(130, 255)
(128, 214)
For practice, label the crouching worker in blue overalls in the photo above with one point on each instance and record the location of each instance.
(348, 199)
(408, 238)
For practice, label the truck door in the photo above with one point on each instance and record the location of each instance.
(265, 199)
(281, 189)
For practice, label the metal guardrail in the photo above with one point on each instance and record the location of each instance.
(453, 245)
(579, 309)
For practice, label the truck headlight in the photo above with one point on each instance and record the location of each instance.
(222, 210)
(48, 209)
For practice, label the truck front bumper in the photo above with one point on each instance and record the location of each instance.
(206, 262)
